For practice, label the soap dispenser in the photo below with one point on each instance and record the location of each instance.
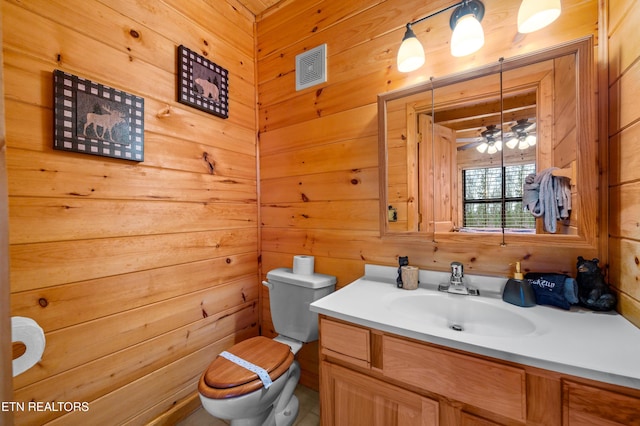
(518, 291)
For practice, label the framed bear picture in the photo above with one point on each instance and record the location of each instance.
(202, 84)
(92, 118)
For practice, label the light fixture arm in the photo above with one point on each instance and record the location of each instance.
(417, 21)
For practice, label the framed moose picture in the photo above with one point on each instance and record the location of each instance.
(202, 84)
(95, 119)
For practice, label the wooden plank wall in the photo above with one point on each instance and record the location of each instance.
(138, 273)
(319, 146)
(624, 155)
(6, 385)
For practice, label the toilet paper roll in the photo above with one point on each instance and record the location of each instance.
(303, 265)
(28, 332)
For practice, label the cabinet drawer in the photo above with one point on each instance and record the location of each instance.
(345, 342)
(498, 388)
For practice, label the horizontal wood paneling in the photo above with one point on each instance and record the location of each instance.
(624, 44)
(321, 131)
(32, 128)
(328, 131)
(48, 264)
(55, 219)
(44, 175)
(623, 94)
(110, 295)
(119, 49)
(112, 333)
(357, 184)
(286, 115)
(139, 273)
(624, 155)
(624, 164)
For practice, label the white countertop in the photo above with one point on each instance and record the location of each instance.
(602, 346)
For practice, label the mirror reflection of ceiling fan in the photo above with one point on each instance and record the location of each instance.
(522, 135)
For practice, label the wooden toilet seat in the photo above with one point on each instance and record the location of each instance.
(226, 379)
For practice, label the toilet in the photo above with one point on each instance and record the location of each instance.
(231, 389)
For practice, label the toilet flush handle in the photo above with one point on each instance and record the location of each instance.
(268, 284)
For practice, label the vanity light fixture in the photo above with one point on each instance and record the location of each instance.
(468, 35)
(536, 14)
(411, 53)
(465, 23)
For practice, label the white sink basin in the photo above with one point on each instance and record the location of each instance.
(465, 314)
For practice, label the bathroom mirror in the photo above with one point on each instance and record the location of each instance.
(455, 152)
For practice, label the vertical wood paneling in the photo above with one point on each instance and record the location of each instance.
(138, 273)
(6, 387)
(321, 132)
(624, 155)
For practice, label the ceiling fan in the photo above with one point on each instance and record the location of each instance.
(522, 135)
(488, 141)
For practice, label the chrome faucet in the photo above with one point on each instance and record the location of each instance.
(457, 283)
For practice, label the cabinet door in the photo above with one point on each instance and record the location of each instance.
(348, 398)
(589, 405)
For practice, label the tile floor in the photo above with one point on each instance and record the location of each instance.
(308, 415)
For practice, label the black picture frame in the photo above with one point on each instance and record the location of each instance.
(95, 119)
(202, 84)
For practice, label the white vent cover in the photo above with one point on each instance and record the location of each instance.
(311, 67)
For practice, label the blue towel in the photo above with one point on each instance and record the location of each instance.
(571, 290)
(548, 197)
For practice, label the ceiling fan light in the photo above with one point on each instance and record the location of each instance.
(467, 36)
(511, 143)
(411, 53)
(536, 14)
(482, 148)
(498, 145)
(492, 149)
(531, 140)
(523, 144)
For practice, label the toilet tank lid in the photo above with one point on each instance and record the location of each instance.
(315, 280)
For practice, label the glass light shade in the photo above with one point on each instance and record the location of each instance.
(536, 14)
(523, 144)
(492, 149)
(482, 147)
(498, 145)
(467, 36)
(410, 54)
(531, 140)
(511, 143)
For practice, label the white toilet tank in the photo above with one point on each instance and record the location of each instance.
(290, 296)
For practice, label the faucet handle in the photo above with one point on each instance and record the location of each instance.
(456, 270)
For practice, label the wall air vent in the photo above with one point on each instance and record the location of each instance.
(311, 67)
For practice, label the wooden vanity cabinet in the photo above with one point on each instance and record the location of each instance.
(369, 377)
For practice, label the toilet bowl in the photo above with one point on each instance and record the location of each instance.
(231, 389)
(232, 392)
